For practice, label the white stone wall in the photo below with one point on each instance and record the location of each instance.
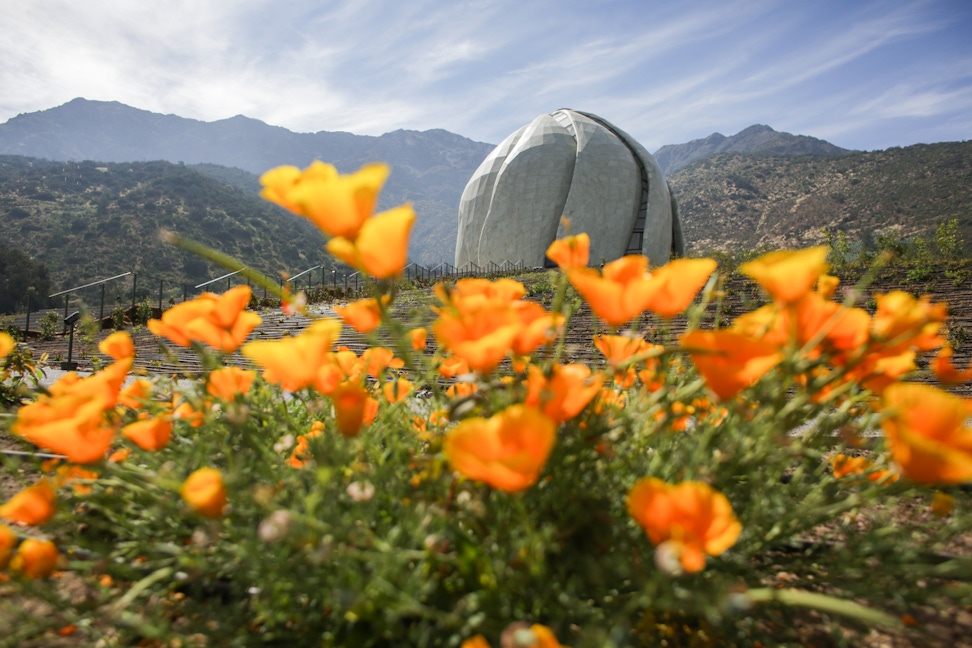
(565, 164)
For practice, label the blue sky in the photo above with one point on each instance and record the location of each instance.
(861, 74)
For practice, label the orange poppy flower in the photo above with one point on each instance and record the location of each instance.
(227, 382)
(618, 294)
(205, 492)
(902, 321)
(538, 327)
(8, 540)
(945, 371)
(677, 283)
(618, 349)
(354, 408)
(694, 518)
(926, 430)
(462, 389)
(397, 390)
(7, 344)
(135, 394)
(32, 506)
(149, 433)
(480, 333)
(452, 366)
(729, 362)
(337, 204)
(381, 246)
(376, 360)
(565, 393)
(71, 424)
(879, 370)
(545, 637)
(227, 325)
(293, 362)
(172, 326)
(507, 451)
(363, 315)
(570, 252)
(418, 337)
(35, 558)
(810, 317)
(478, 641)
(220, 321)
(106, 383)
(788, 275)
(184, 411)
(118, 346)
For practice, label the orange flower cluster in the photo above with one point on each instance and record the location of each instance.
(624, 289)
(221, 321)
(874, 351)
(75, 418)
(625, 354)
(341, 206)
(301, 453)
(307, 361)
(481, 321)
(845, 466)
(685, 521)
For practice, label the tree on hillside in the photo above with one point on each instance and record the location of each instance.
(19, 274)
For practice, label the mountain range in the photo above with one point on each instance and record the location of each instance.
(758, 138)
(758, 187)
(429, 168)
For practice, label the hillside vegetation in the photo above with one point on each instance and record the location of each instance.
(89, 220)
(429, 168)
(735, 201)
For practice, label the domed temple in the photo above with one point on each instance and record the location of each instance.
(571, 164)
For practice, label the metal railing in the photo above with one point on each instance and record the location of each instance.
(342, 279)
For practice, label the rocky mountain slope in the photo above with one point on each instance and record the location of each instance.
(755, 139)
(738, 201)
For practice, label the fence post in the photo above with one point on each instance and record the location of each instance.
(185, 292)
(101, 314)
(67, 296)
(160, 295)
(134, 284)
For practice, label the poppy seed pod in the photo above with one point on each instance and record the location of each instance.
(573, 165)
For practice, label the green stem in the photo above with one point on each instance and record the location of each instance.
(142, 585)
(224, 260)
(823, 603)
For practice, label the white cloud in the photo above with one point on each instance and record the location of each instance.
(665, 73)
